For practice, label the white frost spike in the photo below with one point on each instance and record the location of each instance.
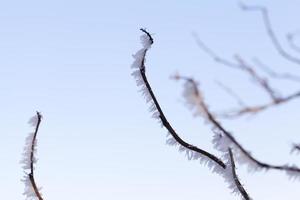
(228, 175)
(146, 42)
(138, 64)
(222, 143)
(33, 120)
(193, 98)
(29, 191)
(292, 174)
(29, 159)
(26, 158)
(192, 155)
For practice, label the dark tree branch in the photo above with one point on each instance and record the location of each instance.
(210, 117)
(162, 117)
(33, 143)
(236, 179)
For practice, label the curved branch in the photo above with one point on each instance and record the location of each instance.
(141, 79)
(260, 108)
(262, 82)
(275, 75)
(226, 135)
(237, 182)
(31, 188)
(213, 55)
(270, 31)
(240, 65)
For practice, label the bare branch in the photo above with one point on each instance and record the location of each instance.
(241, 65)
(212, 54)
(147, 91)
(270, 31)
(263, 82)
(273, 74)
(31, 188)
(259, 108)
(231, 93)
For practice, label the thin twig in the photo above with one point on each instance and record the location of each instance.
(273, 74)
(270, 31)
(164, 120)
(210, 117)
(259, 108)
(31, 174)
(291, 40)
(263, 82)
(231, 93)
(212, 54)
(236, 179)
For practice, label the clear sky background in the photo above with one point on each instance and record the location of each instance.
(71, 61)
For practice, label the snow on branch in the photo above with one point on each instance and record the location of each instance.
(173, 139)
(231, 177)
(223, 139)
(226, 170)
(32, 191)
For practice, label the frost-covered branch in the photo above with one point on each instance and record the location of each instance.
(232, 178)
(32, 191)
(270, 31)
(139, 74)
(226, 170)
(223, 139)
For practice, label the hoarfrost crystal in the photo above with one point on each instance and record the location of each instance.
(29, 159)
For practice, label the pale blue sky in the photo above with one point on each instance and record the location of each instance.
(71, 61)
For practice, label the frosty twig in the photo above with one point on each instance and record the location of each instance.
(192, 151)
(227, 170)
(32, 191)
(223, 139)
